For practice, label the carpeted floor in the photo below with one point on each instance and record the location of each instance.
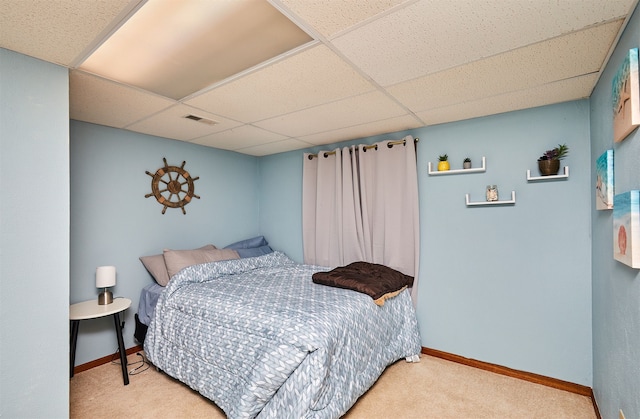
(433, 388)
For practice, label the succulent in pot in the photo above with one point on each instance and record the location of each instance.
(466, 163)
(443, 163)
(549, 162)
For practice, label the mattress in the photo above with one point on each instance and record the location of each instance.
(146, 306)
(148, 300)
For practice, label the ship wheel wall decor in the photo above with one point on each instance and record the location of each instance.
(172, 186)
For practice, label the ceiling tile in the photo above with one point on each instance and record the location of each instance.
(239, 137)
(273, 148)
(307, 79)
(431, 36)
(560, 58)
(173, 124)
(357, 110)
(399, 123)
(57, 31)
(99, 101)
(330, 16)
(562, 91)
(376, 66)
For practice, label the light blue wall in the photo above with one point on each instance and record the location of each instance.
(34, 238)
(506, 285)
(616, 287)
(509, 285)
(281, 202)
(112, 223)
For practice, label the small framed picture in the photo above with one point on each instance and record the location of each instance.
(604, 181)
(625, 91)
(626, 228)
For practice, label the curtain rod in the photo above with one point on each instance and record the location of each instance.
(366, 147)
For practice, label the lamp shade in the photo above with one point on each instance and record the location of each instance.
(105, 276)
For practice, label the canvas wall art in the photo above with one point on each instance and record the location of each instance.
(626, 228)
(625, 92)
(604, 181)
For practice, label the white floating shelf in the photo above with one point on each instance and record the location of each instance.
(536, 178)
(512, 201)
(459, 171)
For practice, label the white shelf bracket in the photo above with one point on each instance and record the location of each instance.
(511, 201)
(480, 169)
(565, 175)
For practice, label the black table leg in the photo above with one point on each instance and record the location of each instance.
(75, 325)
(123, 355)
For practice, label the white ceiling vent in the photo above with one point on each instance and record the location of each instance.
(200, 119)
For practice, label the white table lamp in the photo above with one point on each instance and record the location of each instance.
(105, 278)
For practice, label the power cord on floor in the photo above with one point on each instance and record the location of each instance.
(142, 365)
(138, 366)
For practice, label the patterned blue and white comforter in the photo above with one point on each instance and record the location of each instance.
(259, 338)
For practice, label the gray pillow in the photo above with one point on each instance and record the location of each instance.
(176, 260)
(157, 267)
(248, 243)
(255, 251)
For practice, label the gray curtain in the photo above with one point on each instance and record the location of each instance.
(360, 203)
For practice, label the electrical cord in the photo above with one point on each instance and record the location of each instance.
(140, 366)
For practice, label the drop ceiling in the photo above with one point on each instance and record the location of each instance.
(370, 67)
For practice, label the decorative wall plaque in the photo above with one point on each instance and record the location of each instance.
(172, 186)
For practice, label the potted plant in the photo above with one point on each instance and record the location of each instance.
(466, 164)
(549, 162)
(443, 163)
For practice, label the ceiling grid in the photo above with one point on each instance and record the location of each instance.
(367, 67)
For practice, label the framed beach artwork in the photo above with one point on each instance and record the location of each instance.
(625, 91)
(604, 181)
(626, 228)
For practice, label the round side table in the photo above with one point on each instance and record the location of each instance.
(92, 310)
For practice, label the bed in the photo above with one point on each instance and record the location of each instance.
(161, 269)
(260, 339)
